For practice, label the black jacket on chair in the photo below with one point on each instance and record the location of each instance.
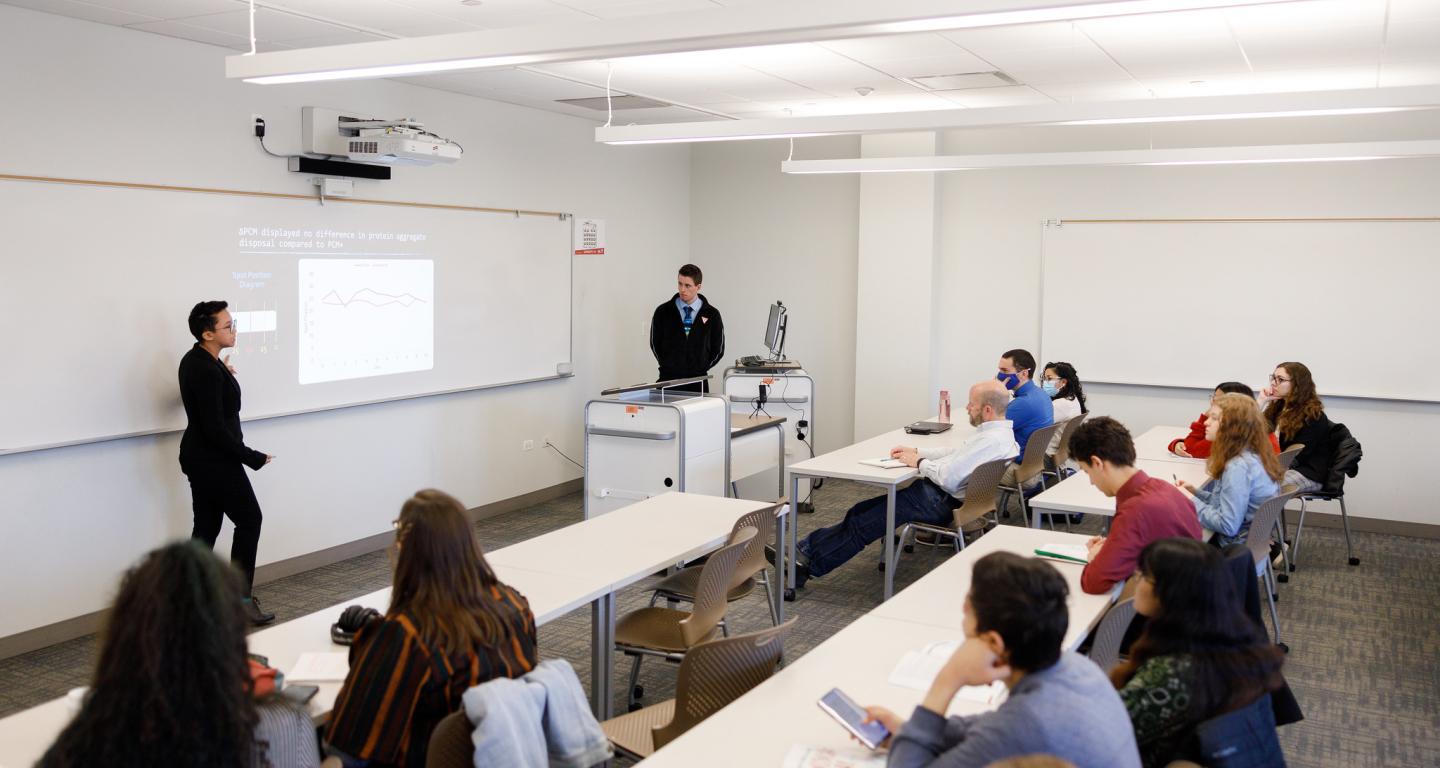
(1242, 568)
(1345, 461)
(681, 356)
(211, 396)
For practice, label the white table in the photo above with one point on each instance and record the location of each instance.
(1076, 494)
(844, 464)
(761, 726)
(1154, 444)
(751, 450)
(586, 562)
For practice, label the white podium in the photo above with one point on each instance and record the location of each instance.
(650, 439)
(791, 395)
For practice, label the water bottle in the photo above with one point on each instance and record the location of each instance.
(944, 406)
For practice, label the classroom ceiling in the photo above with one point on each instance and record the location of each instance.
(1296, 46)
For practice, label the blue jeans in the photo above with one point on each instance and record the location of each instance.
(829, 548)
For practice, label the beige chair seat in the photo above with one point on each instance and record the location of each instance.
(655, 628)
(633, 732)
(684, 583)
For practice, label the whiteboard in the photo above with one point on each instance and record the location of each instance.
(1191, 304)
(337, 304)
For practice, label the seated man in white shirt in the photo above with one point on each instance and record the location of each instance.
(930, 499)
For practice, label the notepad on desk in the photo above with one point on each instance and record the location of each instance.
(884, 463)
(918, 669)
(1065, 553)
(320, 667)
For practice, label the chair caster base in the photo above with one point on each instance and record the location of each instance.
(1354, 561)
(909, 549)
(789, 595)
(1292, 567)
(1283, 578)
(1284, 648)
(805, 508)
(880, 567)
(639, 692)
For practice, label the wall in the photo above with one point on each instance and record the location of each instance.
(762, 236)
(107, 103)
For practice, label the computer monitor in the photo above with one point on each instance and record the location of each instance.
(775, 331)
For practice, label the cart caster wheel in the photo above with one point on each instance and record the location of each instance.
(1354, 561)
(789, 595)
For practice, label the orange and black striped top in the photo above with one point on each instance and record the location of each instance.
(399, 687)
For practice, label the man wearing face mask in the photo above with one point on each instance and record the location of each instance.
(1031, 409)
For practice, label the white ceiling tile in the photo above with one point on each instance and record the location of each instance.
(1407, 11)
(1018, 37)
(1320, 79)
(269, 25)
(499, 14)
(873, 104)
(1176, 25)
(1083, 57)
(194, 33)
(618, 9)
(1418, 53)
(657, 115)
(425, 26)
(170, 9)
(935, 65)
(1096, 72)
(1005, 96)
(886, 48)
(516, 81)
(85, 11)
(383, 15)
(1292, 17)
(1114, 90)
(1418, 33)
(338, 37)
(1410, 73)
(1178, 60)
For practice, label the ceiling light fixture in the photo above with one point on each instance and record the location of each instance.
(1238, 116)
(799, 21)
(1281, 153)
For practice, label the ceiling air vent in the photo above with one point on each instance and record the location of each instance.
(963, 81)
(618, 102)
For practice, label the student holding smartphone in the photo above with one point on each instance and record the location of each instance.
(1060, 703)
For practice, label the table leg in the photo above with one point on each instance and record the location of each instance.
(780, 468)
(602, 654)
(889, 541)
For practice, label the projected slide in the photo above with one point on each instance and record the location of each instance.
(365, 317)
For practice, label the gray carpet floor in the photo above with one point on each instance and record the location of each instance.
(1365, 641)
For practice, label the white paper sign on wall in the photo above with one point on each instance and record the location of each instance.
(589, 237)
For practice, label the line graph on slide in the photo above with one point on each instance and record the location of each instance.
(365, 317)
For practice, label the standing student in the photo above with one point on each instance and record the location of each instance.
(1242, 467)
(1147, 509)
(172, 685)
(1194, 445)
(687, 335)
(1199, 656)
(1293, 409)
(452, 625)
(1059, 704)
(213, 454)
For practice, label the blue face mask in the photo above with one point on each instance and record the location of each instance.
(1010, 380)
(1050, 388)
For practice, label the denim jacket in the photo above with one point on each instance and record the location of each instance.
(1227, 505)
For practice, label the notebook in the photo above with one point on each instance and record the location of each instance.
(1065, 553)
(883, 463)
(928, 427)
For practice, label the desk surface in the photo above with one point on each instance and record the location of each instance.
(741, 424)
(844, 463)
(1154, 444)
(859, 659)
(557, 572)
(1076, 494)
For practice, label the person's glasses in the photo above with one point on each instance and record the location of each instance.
(1278, 380)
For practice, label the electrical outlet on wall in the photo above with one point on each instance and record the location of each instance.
(528, 445)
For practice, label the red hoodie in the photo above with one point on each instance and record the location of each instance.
(1197, 446)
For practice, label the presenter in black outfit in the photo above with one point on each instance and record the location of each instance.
(212, 452)
(686, 333)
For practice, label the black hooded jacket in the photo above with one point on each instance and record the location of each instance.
(682, 356)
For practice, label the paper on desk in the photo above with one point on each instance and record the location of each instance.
(886, 463)
(801, 756)
(320, 667)
(917, 670)
(1065, 553)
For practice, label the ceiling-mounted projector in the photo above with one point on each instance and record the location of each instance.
(366, 139)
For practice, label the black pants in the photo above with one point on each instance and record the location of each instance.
(219, 492)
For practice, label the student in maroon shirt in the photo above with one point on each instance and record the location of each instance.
(1146, 509)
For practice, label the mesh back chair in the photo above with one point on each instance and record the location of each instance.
(669, 633)
(450, 745)
(982, 491)
(712, 675)
(1030, 468)
(1258, 542)
(1062, 452)
(1282, 528)
(681, 586)
(1344, 462)
(1105, 651)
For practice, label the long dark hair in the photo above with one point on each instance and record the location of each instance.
(442, 582)
(172, 686)
(1201, 615)
(1302, 406)
(1072, 388)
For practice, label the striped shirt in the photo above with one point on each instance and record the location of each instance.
(399, 686)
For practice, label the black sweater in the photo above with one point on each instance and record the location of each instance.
(212, 405)
(1314, 459)
(682, 356)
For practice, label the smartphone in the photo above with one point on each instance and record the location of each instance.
(852, 718)
(300, 693)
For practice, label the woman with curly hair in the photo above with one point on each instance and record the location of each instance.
(1295, 411)
(1243, 469)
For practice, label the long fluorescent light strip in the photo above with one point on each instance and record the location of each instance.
(394, 70)
(1257, 161)
(1237, 116)
(722, 138)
